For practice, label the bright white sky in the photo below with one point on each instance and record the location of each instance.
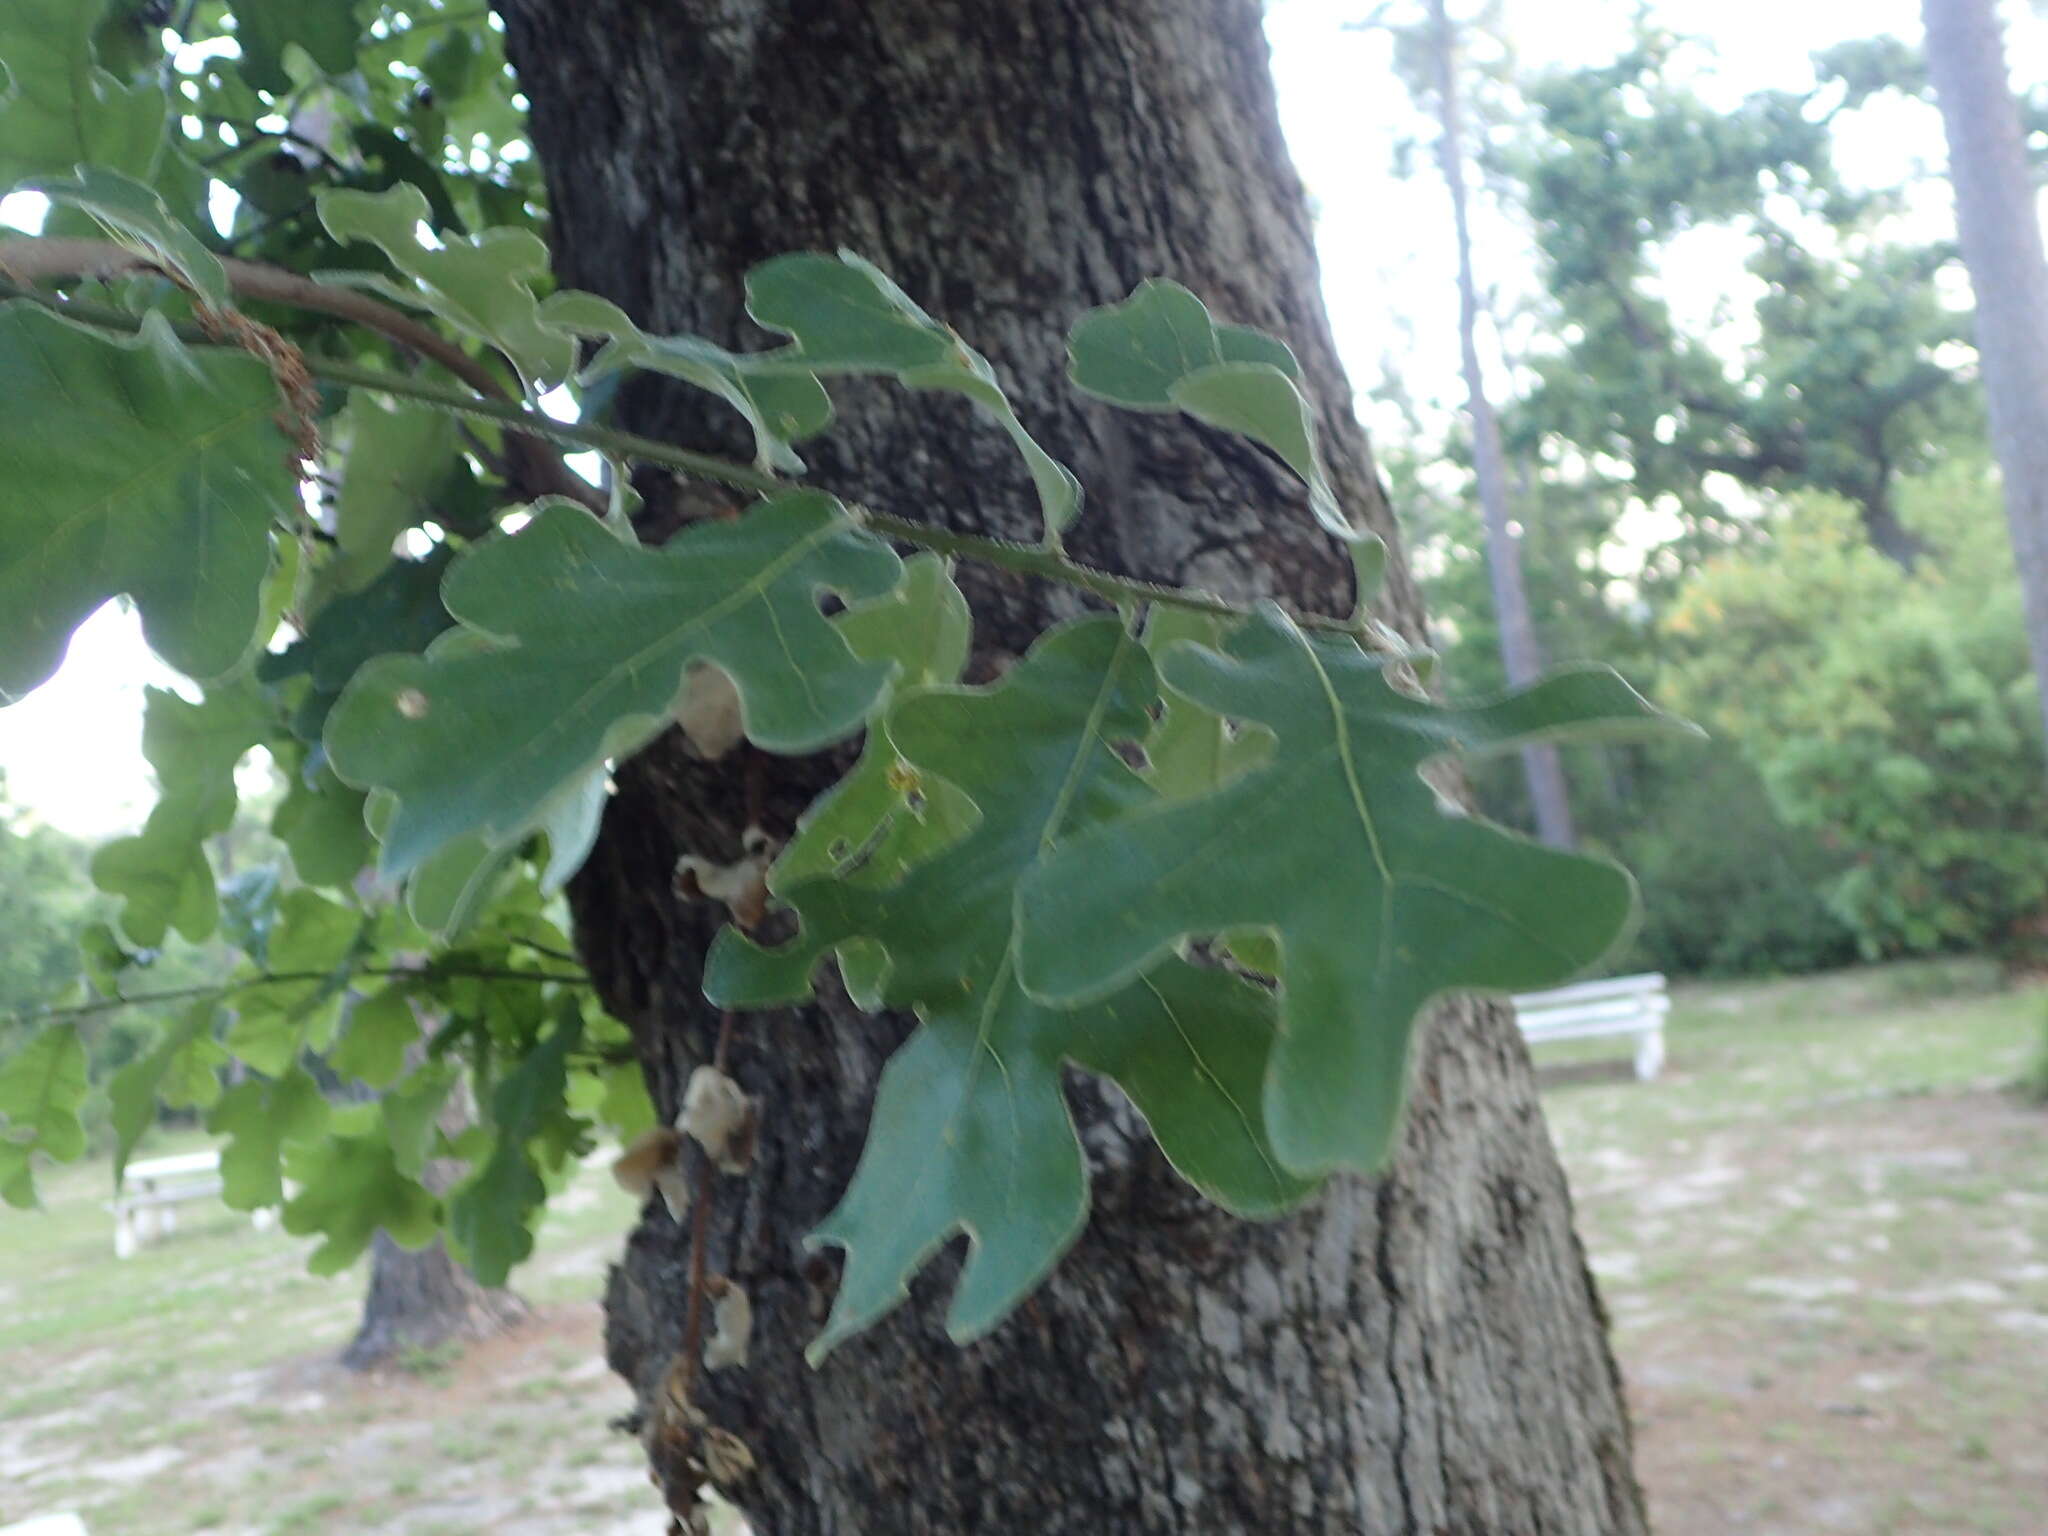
(71, 751)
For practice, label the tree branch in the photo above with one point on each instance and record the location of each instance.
(280, 978)
(31, 259)
(494, 405)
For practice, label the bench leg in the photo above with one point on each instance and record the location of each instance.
(124, 1234)
(264, 1217)
(1650, 1054)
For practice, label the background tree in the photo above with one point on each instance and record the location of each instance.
(1521, 656)
(1997, 216)
(1845, 379)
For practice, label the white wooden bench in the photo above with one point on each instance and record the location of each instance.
(66, 1524)
(152, 1190)
(1621, 1005)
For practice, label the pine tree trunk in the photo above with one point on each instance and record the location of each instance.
(420, 1300)
(1420, 1353)
(1997, 217)
(1520, 654)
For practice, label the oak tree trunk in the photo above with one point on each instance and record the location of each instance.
(1424, 1352)
(420, 1300)
(1998, 219)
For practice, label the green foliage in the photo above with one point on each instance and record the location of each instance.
(478, 737)
(1848, 381)
(450, 713)
(353, 1186)
(1159, 350)
(42, 1086)
(399, 459)
(491, 1215)
(46, 903)
(977, 1089)
(1729, 888)
(136, 217)
(161, 874)
(58, 108)
(1904, 731)
(484, 286)
(326, 29)
(1364, 947)
(137, 466)
(178, 1071)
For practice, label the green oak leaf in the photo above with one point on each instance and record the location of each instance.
(1336, 846)
(42, 1087)
(326, 29)
(171, 1070)
(376, 1031)
(320, 822)
(260, 1119)
(161, 873)
(138, 219)
(480, 284)
(103, 957)
(58, 109)
(924, 626)
(453, 884)
(347, 1188)
(1193, 750)
(847, 317)
(971, 1130)
(782, 406)
(491, 1214)
(882, 817)
(481, 737)
(398, 456)
(248, 910)
(133, 465)
(314, 938)
(18, 1175)
(411, 1115)
(1159, 350)
(400, 610)
(615, 1096)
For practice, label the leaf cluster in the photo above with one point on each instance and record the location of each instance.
(1186, 846)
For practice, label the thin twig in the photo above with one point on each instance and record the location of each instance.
(225, 989)
(1036, 560)
(546, 949)
(249, 131)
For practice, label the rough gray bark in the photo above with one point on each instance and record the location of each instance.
(422, 1299)
(1519, 652)
(1421, 1353)
(1997, 218)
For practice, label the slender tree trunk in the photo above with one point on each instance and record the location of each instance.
(1420, 1353)
(1519, 651)
(1998, 219)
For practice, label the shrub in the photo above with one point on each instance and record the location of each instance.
(1891, 714)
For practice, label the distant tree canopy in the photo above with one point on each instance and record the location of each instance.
(1844, 377)
(46, 899)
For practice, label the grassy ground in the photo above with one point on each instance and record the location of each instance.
(190, 1389)
(1823, 1239)
(1822, 1234)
